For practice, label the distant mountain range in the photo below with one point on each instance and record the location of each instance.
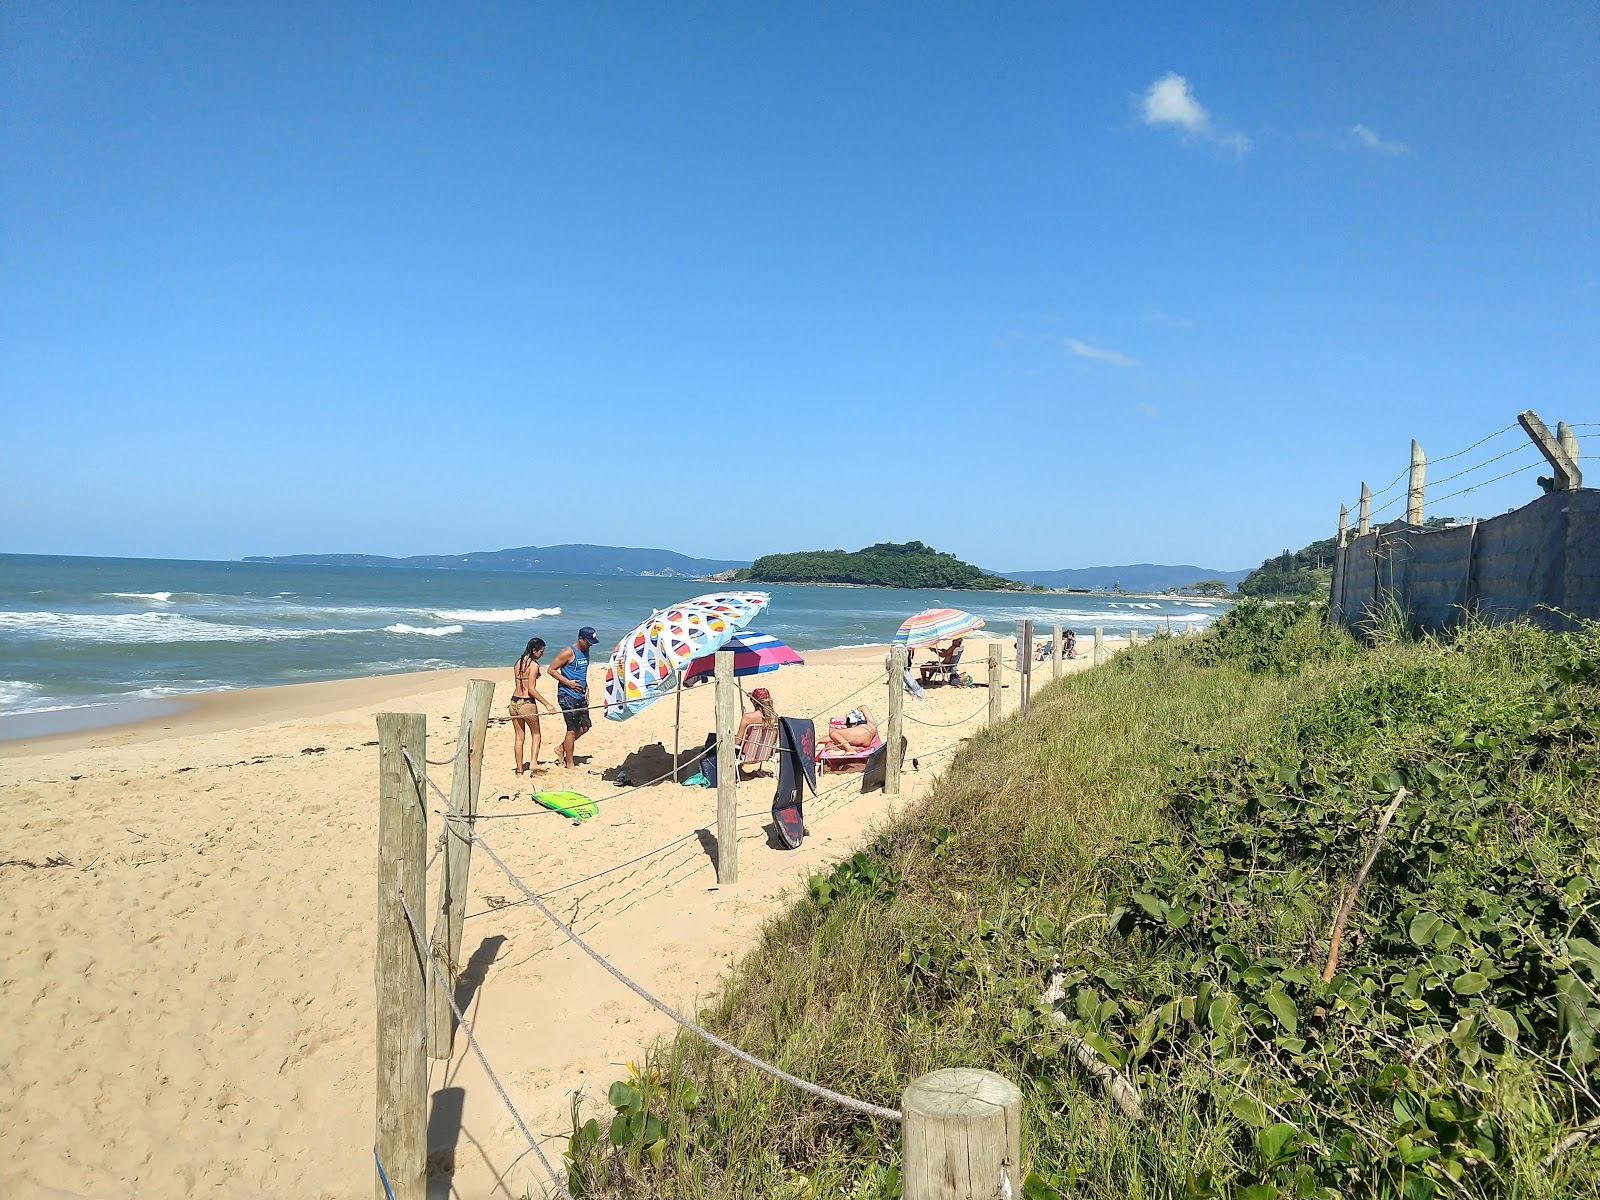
(633, 560)
(1134, 577)
(562, 560)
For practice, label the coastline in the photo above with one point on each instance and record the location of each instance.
(199, 896)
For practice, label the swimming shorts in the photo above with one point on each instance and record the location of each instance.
(576, 712)
(522, 707)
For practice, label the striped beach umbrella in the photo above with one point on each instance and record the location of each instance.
(936, 625)
(753, 654)
(648, 662)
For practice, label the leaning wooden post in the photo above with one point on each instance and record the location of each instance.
(446, 941)
(1565, 466)
(400, 972)
(961, 1136)
(1025, 663)
(1419, 471)
(1099, 645)
(727, 771)
(897, 700)
(1364, 513)
(1055, 652)
(995, 691)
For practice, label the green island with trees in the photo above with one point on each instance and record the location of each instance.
(886, 564)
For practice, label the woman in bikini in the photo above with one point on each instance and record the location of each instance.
(525, 702)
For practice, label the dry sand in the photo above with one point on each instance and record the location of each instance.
(186, 996)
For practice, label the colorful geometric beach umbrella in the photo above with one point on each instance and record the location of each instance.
(753, 654)
(647, 663)
(936, 625)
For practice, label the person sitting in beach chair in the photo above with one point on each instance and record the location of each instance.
(757, 736)
(1070, 647)
(942, 669)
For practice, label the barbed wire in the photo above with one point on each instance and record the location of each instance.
(805, 1085)
(448, 989)
(1444, 458)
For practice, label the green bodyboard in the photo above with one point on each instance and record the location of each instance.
(569, 804)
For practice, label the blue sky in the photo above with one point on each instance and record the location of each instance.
(1040, 286)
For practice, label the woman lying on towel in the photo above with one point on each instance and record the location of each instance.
(857, 733)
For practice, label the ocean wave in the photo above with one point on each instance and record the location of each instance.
(16, 694)
(426, 631)
(493, 615)
(146, 627)
(150, 597)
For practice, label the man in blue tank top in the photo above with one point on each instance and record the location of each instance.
(571, 670)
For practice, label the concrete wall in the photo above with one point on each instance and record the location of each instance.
(1541, 562)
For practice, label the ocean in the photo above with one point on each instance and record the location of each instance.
(87, 638)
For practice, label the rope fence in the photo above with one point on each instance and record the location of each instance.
(407, 988)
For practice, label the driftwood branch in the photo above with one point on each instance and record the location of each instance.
(1577, 1137)
(1121, 1090)
(1347, 905)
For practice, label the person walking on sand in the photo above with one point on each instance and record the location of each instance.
(571, 669)
(525, 702)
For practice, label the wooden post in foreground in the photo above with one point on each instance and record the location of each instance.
(1419, 471)
(1055, 652)
(995, 692)
(1364, 513)
(897, 702)
(1099, 645)
(446, 939)
(1133, 637)
(727, 772)
(1025, 662)
(961, 1136)
(401, 1140)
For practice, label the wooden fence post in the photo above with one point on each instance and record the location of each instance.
(446, 940)
(1364, 513)
(1055, 652)
(1025, 663)
(1099, 645)
(897, 701)
(727, 771)
(1133, 637)
(1336, 584)
(1419, 471)
(400, 971)
(961, 1137)
(995, 687)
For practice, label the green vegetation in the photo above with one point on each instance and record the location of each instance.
(1166, 840)
(887, 564)
(1305, 572)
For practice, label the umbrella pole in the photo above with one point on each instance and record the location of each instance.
(677, 726)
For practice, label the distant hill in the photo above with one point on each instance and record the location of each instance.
(558, 560)
(886, 564)
(1134, 577)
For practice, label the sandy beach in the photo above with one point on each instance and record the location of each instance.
(186, 995)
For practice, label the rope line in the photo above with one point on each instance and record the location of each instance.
(815, 1089)
(449, 993)
(463, 740)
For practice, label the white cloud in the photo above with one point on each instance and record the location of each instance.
(1115, 357)
(1156, 317)
(1370, 138)
(1168, 101)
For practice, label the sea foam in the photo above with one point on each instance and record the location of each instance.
(425, 631)
(146, 627)
(494, 615)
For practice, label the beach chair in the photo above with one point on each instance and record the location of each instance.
(758, 746)
(939, 671)
(832, 759)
